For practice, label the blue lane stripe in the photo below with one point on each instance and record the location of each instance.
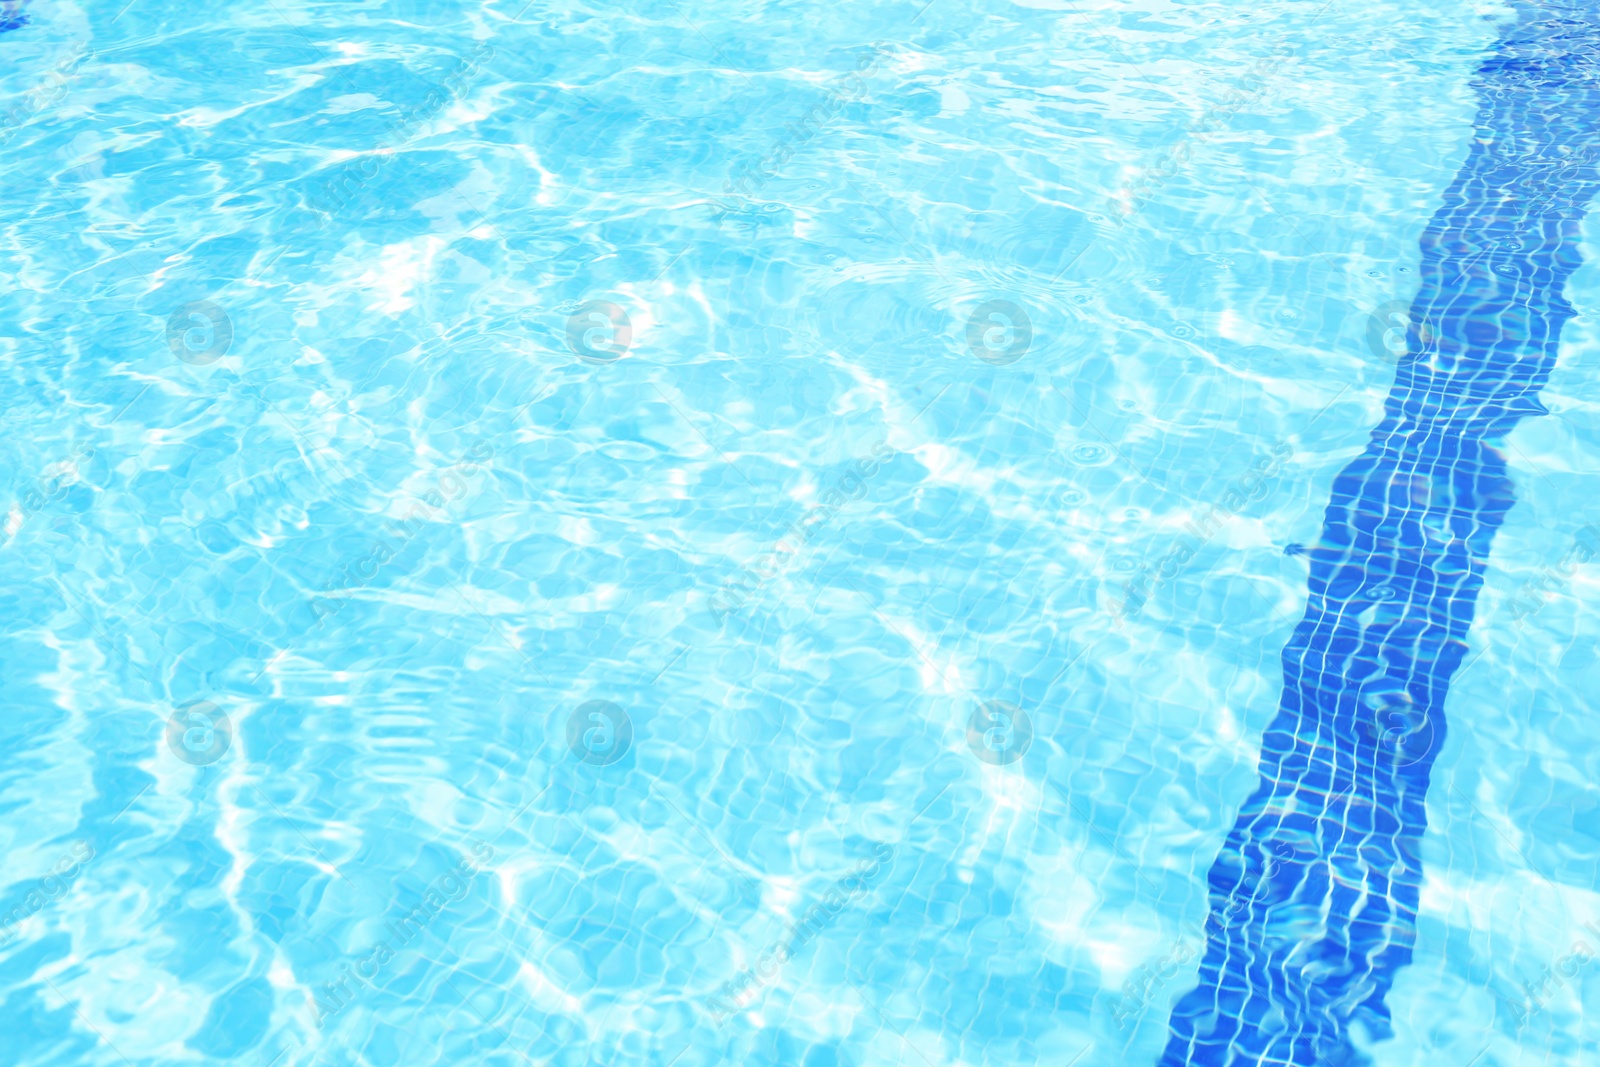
(1314, 894)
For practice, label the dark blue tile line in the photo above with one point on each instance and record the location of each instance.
(1314, 895)
(12, 16)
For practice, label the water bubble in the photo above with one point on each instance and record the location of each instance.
(1091, 454)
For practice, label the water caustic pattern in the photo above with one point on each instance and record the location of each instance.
(767, 533)
(1315, 894)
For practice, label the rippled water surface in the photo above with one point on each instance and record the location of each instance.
(759, 532)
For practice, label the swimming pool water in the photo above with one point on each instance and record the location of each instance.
(1319, 882)
(788, 534)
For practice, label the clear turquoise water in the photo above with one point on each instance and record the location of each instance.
(810, 532)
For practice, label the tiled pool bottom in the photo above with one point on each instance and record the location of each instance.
(770, 693)
(1317, 890)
